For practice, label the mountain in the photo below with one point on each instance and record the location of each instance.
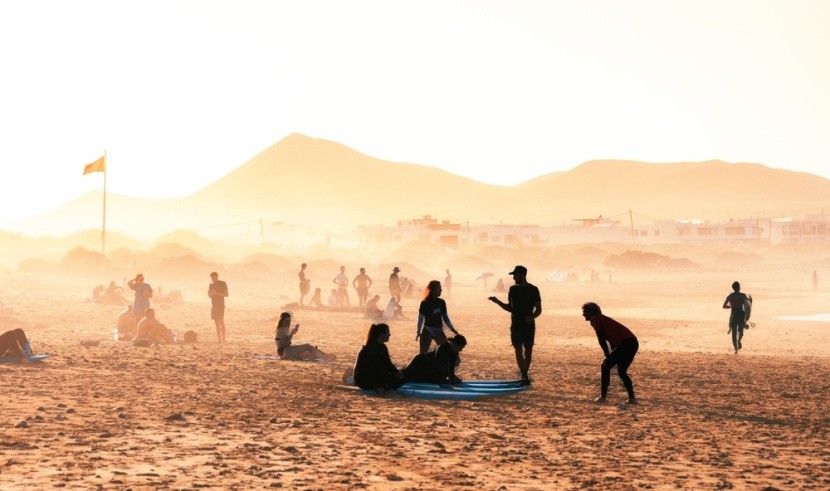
(323, 184)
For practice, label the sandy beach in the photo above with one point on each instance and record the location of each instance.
(209, 415)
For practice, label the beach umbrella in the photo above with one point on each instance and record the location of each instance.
(483, 276)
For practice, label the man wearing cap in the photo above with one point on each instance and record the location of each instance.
(524, 304)
(395, 284)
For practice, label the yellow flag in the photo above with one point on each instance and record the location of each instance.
(99, 165)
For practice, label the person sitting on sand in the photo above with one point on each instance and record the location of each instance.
(112, 295)
(288, 351)
(15, 343)
(316, 300)
(619, 345)
(436, 366)
(500, 286)
(126, 324)
(373, 368)
(393, 310)
(153, 331)
(371, 308)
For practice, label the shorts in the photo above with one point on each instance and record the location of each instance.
(522, 336)
(217, 312)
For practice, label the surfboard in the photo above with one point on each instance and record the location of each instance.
(747, 308)
(438, 394)
(494, 390)
(14, 359)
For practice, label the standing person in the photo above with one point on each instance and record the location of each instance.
(524, 304)
(305, 283)
(217, 291)
(448, 284)
(739, 303)
(395, 284)
(619, 345)
(143, 294)
(431, 312)
(342, 282)
(815, 280)
(373, 368)
(362, 283)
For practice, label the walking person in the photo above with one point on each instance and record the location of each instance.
(362, 283)
(448, 284)
(217, 291)
(432, 315)
(524, 304)
(619, 345)
(739, 303)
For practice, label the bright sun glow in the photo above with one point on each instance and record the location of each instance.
(181, 93)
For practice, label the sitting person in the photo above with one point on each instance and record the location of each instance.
(151, 331)
(371, 308)
(373, 368)
(393, 310)
(126, 324)
(112, 295)
(436, 366)
(500, 286)
(15, 343)
(335, 300)
(288, 351)
(316, 300)
(98, 293)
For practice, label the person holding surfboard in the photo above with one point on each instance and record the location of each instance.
(741, 307)
(15, 343)
(619, 345)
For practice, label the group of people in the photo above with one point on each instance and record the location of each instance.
(339, 297)
(374, 369)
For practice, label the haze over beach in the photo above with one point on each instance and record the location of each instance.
(642, 157)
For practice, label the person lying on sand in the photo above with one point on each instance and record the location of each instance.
(15, 343)
(436, 366)
(373, 368)
(619, 345)
(153, 331)
(288, 351)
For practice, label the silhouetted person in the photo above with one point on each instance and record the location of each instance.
(15, 343)
(448, 284)
(143, 294)
(619, 345)
(500, 286)
(152, 331)
(305, 283)
(432, 315)
(342, 282)
(362, 283)
(316, 299)
(815, 280)
(126, 324)
(739, 304)
(217, 291)
(524, 304)
(395, 284)
(436, 366)
(372, 309)
(373, 368)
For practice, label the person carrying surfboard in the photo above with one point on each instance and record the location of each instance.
(619, 345)
(741, 307)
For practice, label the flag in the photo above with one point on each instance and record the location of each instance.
(99, 165)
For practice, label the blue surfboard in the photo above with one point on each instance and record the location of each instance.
(446, 394)
(494, 390)
(14, 359)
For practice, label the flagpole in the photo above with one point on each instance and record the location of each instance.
(104, 223)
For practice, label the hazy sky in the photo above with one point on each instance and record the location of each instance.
(181, 93)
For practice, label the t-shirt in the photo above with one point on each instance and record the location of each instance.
(522, 299)
(433, 310)
(342, 280)
(394, 282)
(220, 287)
(611, 330)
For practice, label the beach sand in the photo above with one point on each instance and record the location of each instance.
(209, 415)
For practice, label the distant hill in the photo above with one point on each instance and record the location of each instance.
(319, 183)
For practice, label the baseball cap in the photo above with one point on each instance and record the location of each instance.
(519, 269)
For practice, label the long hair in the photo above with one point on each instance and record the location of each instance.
(375, 331)
(285, 317)
(431, 287)
(458, 340)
